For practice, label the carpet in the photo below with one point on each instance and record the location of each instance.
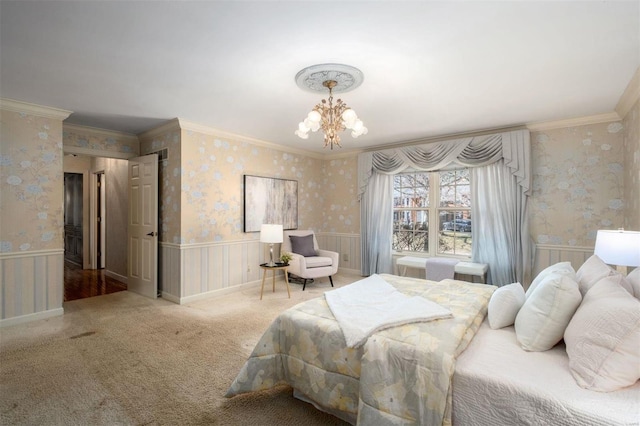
(123, 359)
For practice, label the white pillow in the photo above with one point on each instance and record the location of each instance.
(563, 268)
(505, 304)
(634, 281)
(592, 271)
(603, 338)
(541, 321)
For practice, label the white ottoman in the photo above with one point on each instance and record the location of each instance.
(473, 269)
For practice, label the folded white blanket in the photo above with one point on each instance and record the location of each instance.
(372, 304)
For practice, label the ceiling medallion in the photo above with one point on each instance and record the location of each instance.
(333, 119)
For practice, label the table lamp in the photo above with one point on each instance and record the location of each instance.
(620, 248)
(270, 234)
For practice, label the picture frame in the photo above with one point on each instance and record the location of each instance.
(270, 200)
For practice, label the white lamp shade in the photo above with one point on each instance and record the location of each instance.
(618, 247)
(270, 233)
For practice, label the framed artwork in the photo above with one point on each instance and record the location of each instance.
(270, 200)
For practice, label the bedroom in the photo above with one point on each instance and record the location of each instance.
(586, 159)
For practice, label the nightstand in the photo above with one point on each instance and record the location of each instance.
(279, 266)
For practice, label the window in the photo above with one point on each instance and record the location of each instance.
(449, 217)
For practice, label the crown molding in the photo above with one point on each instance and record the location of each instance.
(630, 96)
(99, 132)
(574, 122)
(33, 109)
(169, 126)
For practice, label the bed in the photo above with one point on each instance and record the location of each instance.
(412, 374)
(400, 375)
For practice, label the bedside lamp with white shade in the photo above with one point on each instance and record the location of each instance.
(270, 234)
(618, 247)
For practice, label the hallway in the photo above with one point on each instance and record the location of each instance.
(82, 283)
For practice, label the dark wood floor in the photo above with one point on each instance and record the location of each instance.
(81, 283)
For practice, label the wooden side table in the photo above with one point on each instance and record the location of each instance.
(279, 266)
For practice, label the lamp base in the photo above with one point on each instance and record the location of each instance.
(622, 269)
(270, 263)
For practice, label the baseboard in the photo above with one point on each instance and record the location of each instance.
(116, 276)
(8, 322)
(213, 293)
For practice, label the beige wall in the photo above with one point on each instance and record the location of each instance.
(631, 137)
(577, 183)
(31, 176)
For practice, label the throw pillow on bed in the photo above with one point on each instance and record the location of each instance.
(504, 305)
(303, 245)
(634, 281)
(603, 338)
(541, 321)
(593, 270)
(563, 268)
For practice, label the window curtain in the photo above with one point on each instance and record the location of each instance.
(376, 218)
(502, 237)
(513, 148)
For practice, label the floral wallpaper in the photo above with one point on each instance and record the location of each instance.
(31, 179)
(169, 169)
(88, 138)
(341, 212)
(632, 168)
(212, 179)
(578, 175)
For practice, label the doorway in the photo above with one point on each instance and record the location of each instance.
(87, 270)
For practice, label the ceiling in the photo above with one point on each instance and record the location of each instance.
(430, 68)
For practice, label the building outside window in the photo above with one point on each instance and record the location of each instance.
(448, 217)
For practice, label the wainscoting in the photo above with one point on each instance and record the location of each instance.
(547, 255)
(32, 282)
(32, 286)
(189, 272)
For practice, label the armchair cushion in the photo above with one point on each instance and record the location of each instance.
(303, 245)
(318, 261)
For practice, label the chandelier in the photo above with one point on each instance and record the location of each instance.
(331, 118)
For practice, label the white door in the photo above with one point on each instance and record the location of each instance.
(143, 225)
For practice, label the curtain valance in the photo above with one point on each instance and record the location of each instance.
(513, 146)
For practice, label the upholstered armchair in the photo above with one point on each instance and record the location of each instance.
(307, 260)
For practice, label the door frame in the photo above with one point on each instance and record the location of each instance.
(89, 255)
(93, 233)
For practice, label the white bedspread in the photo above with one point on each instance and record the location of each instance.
(372, 304)
(497, 383)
